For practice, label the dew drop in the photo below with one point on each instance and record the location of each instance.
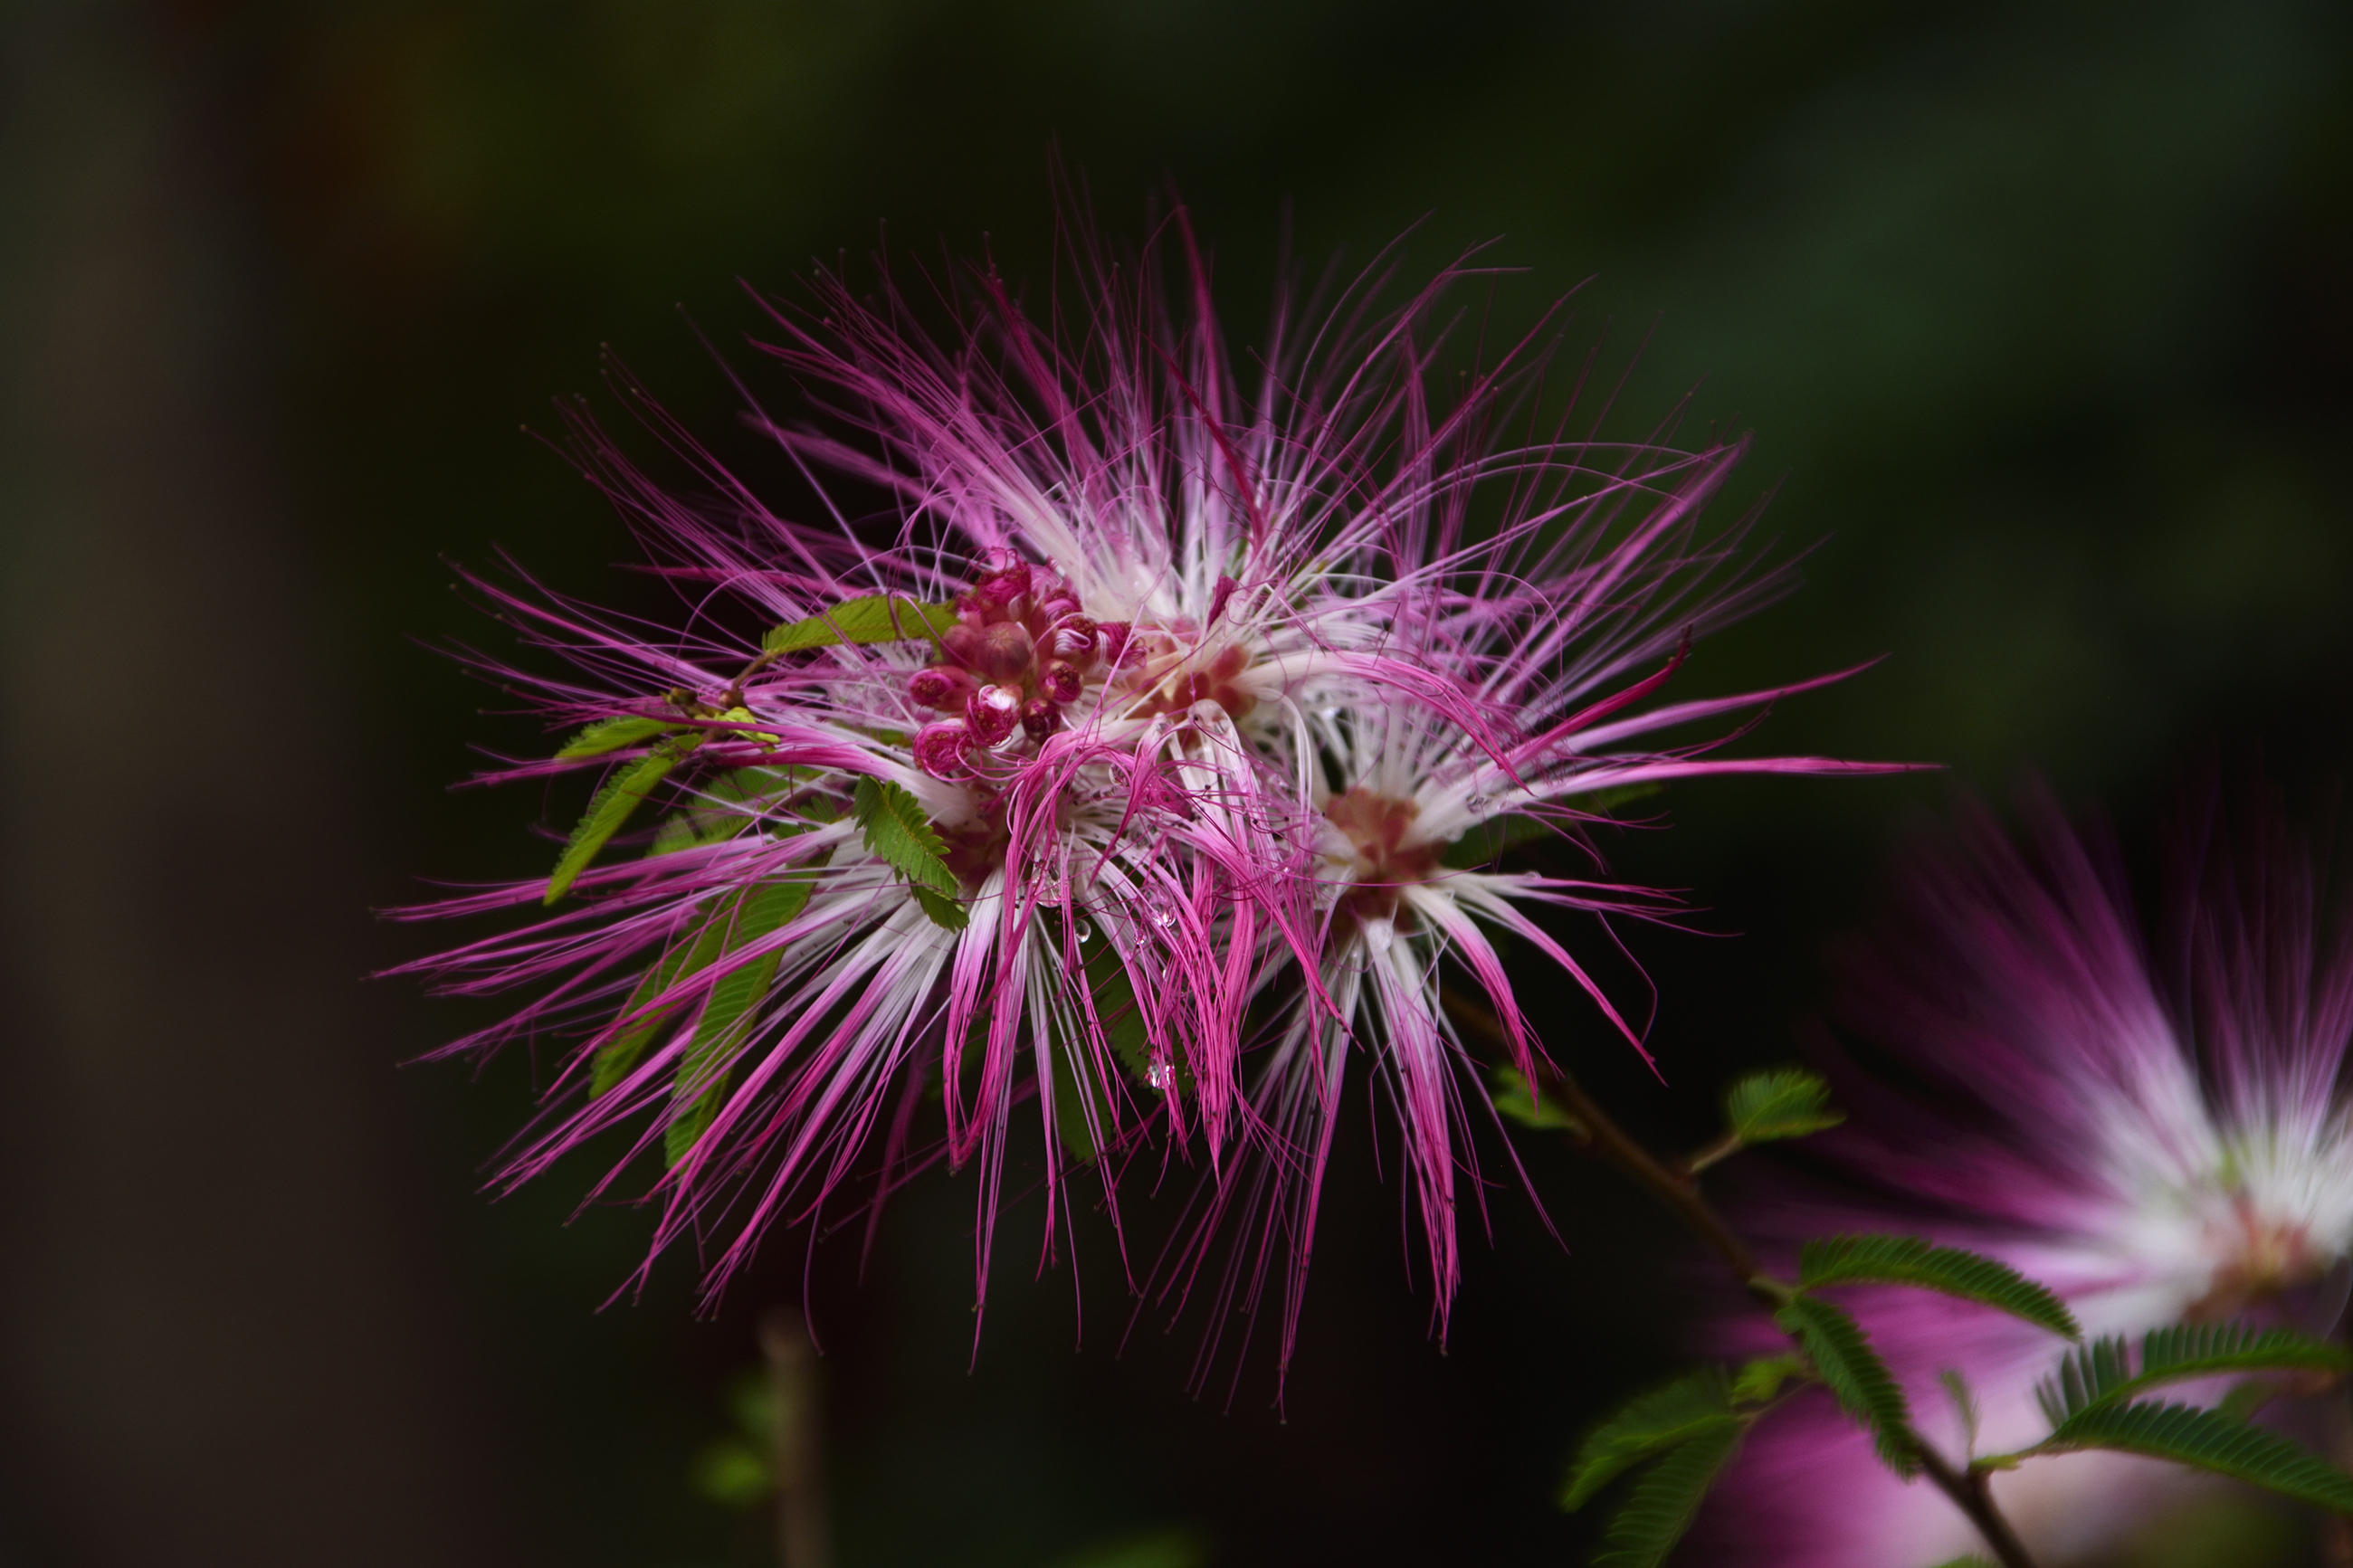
(1477, 805)
(1158, 1075)
(1082, 929)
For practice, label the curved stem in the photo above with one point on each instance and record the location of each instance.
(1971, 1493)
(1679, 1190)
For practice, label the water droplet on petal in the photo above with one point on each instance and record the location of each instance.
(1477, 805)
(1082, 929)
(1159, 1075)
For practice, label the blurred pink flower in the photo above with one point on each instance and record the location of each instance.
(2157, 1138)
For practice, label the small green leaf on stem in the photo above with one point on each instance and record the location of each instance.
(1761, 1379)
(1843, 1359)
(1965, 1406)
(609, 811)
(874, 618)
(1783, 1102)
(1908, 1260)
(1650, 1424)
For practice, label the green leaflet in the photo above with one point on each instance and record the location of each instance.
(2103, 1373)
(1649, 1425)
(724, 808)
(685, 958)
(943, 911)
(609, 811)
(2189, 1436)
(874, 618)
(612, 735)
(1663, 1504)
(1512, 1099)
(1843, 1358)
(1761, 1379)
(1908, 1260)
(1784, 1102)
(730, 1011)
(1965, 1406)
(896, 830)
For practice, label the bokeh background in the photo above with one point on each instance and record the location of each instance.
(2042, 314)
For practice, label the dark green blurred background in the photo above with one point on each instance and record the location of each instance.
(2043, 315)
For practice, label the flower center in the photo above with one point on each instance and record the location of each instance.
(1170, 677)
(2263, 1256)
(1019, 654)
(1384, 863)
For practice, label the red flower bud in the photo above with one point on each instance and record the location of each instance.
(992, 712)
(941, 686)
(940, 749)
(1040, 718)
(1003, 652)
(1074, 640)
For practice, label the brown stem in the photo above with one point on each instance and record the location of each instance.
(802, 1538)
(1972, 1494)
(1677, 1190)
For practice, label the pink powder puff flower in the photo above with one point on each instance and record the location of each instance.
(1097, 577)
(1132, 621)
(1561, 622)
(2157, 1140)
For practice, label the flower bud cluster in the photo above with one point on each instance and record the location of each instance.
(1019, 653)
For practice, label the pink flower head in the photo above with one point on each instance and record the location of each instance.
(2157, 1138)
(1145, 704)
(1500, 685)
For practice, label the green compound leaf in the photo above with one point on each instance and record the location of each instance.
(1512, 1098)
(732, 1008)
(1784, 1103)
(612, 735)
(1761, 1379)
(897, 830)
(875, 618)
(1843, 1358)
(1692, 1406)
(2102, 1373)
(1663, 1504)
(611, 808)
(1908, 1260)
(2208, 1441)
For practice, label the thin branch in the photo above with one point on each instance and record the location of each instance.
(1596, 1132)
